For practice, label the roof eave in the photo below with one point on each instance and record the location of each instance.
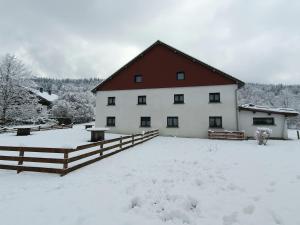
(288, 114)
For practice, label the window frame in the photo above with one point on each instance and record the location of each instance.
(142, 97)
(179, 73)
(111, 103)
(214, 94)
(138, 76)
(262, 118)
(145, 123)
(172, 124)
(108, 118)
(215, 123)
(177, 99)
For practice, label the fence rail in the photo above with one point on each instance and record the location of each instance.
(68, 161)
(226, 135)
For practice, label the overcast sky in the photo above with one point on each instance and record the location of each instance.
(255, 41)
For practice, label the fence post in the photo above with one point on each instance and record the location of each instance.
(101, 146)
(121, 141)
(66, 156)
(298, 135)
(21, 154)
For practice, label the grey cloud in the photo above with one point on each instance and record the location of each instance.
(257, 41)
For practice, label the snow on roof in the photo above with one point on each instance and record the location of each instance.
(45, 95)
(258, 108)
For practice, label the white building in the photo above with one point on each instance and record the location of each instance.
(165, 89)
(253, 116)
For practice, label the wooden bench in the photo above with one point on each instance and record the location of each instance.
(88, 126)
(226, 135)
(23, 131)
(97, 133)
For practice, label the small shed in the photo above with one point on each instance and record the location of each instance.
(253, 116)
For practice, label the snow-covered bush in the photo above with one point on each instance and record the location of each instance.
(61, 109)
(262, 135)
(77, 106)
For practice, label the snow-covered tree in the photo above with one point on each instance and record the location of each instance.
(78, 106)
(62, 109)
(15, 101)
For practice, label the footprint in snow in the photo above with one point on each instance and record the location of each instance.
(270, 190)
(249, 209)
(230, 219)
(135, 202)
(256, 198)
(175, 215)
(276, 218)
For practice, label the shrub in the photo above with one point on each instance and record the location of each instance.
(262, 135)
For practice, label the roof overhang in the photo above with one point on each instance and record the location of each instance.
(281, 111)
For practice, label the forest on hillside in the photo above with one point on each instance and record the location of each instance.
(62, 86)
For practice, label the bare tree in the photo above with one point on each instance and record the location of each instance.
(13, 77)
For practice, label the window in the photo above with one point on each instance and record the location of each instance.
(263, 121)
(179, 99)
(180, 76)
(142, 100)
(215, 122)
(145, 121)
(111, 100)
(214, 97)
(172, 121)
(138, 78)
(110, 121)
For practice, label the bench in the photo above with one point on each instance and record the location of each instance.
(23, 131)
(97, 133)
(226, 135)
(88, 126)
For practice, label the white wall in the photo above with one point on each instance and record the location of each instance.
(193, 114)
(279, 130)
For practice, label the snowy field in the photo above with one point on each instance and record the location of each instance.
(163, 181)
(64, 138)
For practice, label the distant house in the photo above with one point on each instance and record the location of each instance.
(166, 89)
(46, 98)
(253, 116)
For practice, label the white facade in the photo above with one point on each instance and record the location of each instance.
(279, 129)
(193, 115)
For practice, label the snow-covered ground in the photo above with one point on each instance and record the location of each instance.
(65, 138)
(166, 180)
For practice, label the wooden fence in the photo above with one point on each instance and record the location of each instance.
(36, 128)
(226, 135)
(71, 158)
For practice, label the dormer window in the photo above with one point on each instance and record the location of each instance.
(180, 76)
(214, 97)
(142, 100)
(179, 99)
(111, 101)
(138, 78)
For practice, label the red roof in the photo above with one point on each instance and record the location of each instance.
(158, 65)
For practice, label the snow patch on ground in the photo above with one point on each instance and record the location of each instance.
(166, 180)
